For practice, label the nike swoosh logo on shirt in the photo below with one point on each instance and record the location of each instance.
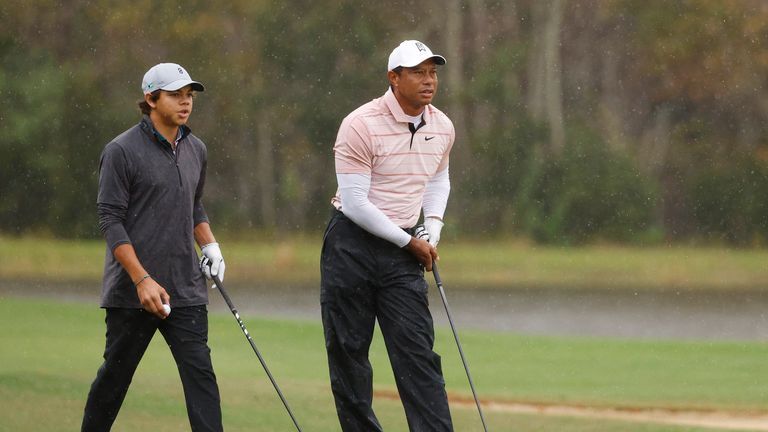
(428, 138)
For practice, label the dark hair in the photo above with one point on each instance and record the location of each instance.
(144, 106)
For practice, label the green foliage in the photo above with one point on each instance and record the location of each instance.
(29, 167)
(506, 155)
(588, 193)
(281, 76)
(730, 204)
(503, 140)
(49, 146)
(318, 67)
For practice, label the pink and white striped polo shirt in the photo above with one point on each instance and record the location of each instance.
(375, 140)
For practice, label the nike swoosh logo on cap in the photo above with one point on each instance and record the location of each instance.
(428, 138)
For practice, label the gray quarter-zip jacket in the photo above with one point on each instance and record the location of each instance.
(150, 196)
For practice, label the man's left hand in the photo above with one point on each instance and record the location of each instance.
(433, 226)
(212, 261)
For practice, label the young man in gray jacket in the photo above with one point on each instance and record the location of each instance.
(151, 180)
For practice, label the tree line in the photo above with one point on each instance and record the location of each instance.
(577, 120)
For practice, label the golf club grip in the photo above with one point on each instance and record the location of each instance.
(232, 308)
(438, 281)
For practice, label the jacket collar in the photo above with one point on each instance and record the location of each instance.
(149, 128)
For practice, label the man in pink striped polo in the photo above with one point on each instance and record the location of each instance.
(391, 159)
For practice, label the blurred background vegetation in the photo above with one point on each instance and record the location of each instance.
(578, 121)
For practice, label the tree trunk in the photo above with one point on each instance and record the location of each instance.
(265, 163)
(545, 96)
(481, 32)
(655, 142)
(461, 154)
(454, 73)
(611, 106)
(510, 29)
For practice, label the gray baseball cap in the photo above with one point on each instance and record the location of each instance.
(167, 76)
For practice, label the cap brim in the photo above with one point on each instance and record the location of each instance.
(183, 83)
(438, 59)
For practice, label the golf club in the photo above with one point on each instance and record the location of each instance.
(220, 286)
(458, 344)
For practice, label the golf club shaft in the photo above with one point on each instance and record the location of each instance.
(220, 286)
(439, 283)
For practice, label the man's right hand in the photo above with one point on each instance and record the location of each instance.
(424, 252)
(152, 296)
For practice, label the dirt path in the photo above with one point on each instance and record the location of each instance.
(716, 419)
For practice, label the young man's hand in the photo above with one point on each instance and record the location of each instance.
(152, 296)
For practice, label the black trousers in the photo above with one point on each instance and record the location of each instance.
(129, 332)
(363, 279)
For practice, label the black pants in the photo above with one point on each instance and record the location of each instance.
(363, 279)
(129, 332)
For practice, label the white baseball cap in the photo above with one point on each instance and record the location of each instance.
(167, 76)
(411, 53)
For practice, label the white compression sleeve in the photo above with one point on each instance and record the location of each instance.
(353, 190)
(436, 195)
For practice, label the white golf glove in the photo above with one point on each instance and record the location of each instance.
(433, 227)
(212, 262)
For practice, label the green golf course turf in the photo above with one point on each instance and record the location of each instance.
(51, 350)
